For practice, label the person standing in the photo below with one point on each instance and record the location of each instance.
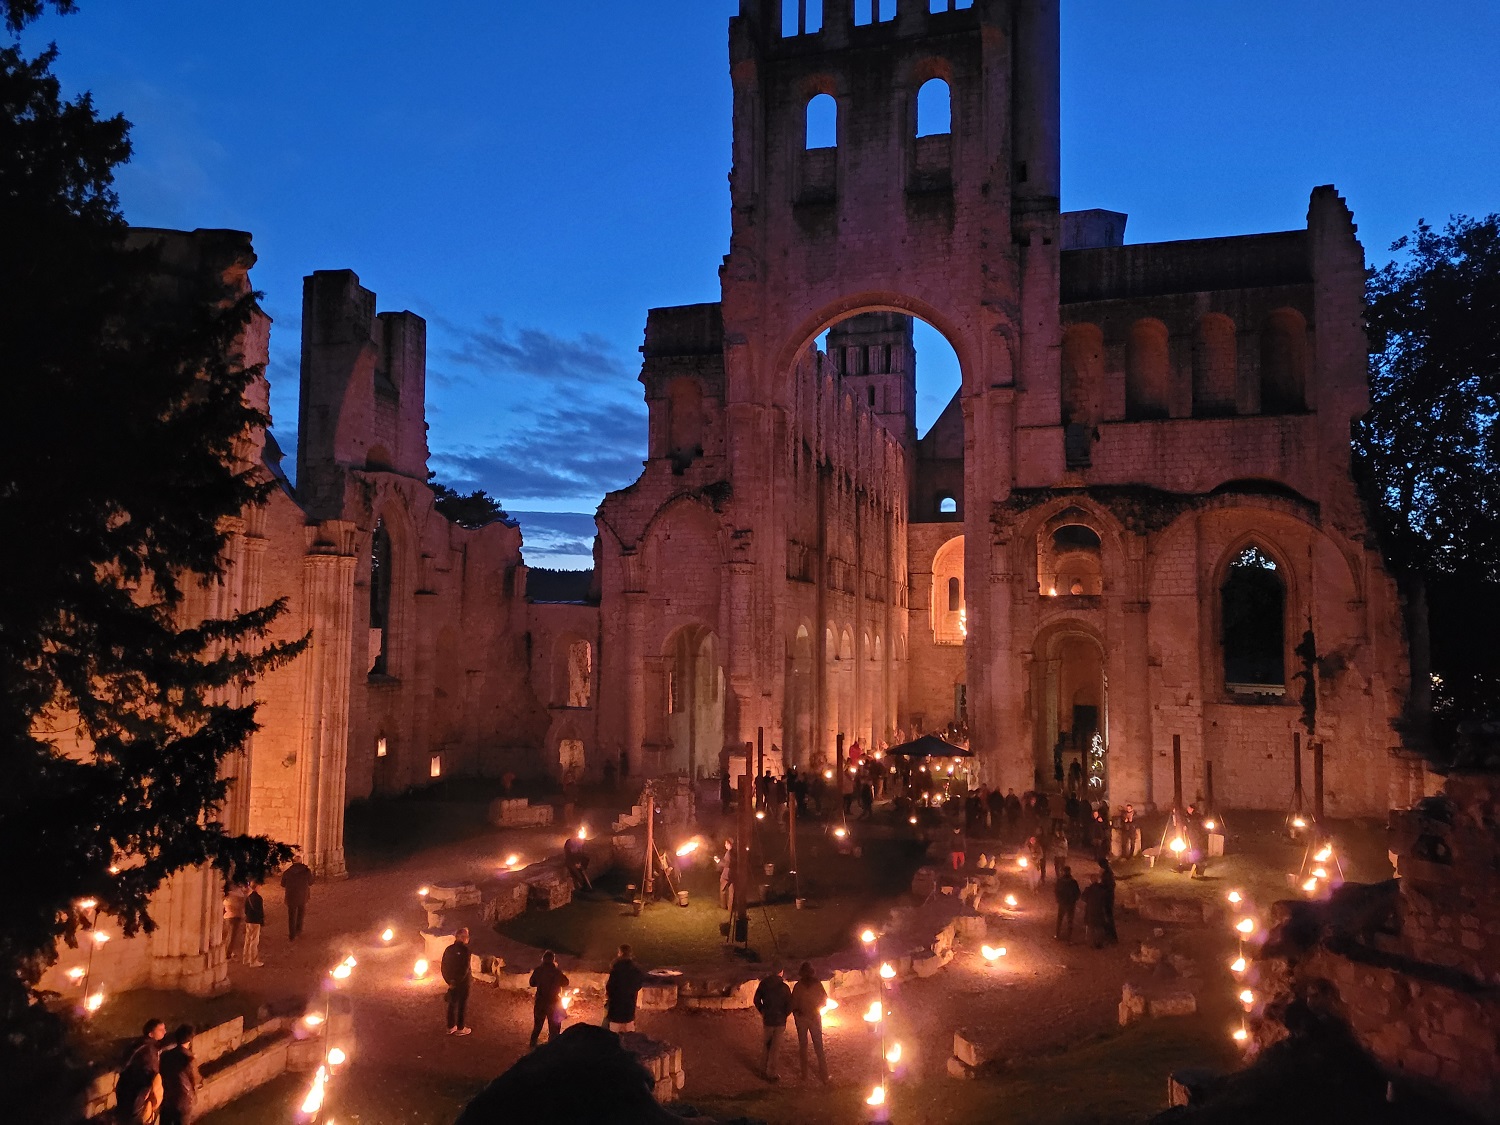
(458, 973)
(1093, 912)
(808, 998)
(138, 1089)
(726, 877)
(622, 990)
(255, 918)
(1130, 833)
(1058, 849)
(549, 982)
(958, 848)
(1067, 893)
(296, 885)
(234, 919)
(180, 1079)
(1107, 886)
(773, 1000)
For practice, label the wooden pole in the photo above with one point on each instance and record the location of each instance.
(791, 833)
(1317, 749)
(838, 770)
(1297, 770)
(1177, 773)
(760, 753)
(647, 879)
(741, 915)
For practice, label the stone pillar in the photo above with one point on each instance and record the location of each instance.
(739, 706)
(634, 734)
(328, 593)
(1129, 697)
(187, 947)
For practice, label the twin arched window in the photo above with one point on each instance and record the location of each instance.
(934, 115)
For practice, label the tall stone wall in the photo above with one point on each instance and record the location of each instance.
(1413, 970)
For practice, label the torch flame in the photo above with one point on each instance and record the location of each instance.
(88, 904)
(312, 1019)
(512, 860)
(1245, 925)
(687, 849)
(1022, 862)
(867, 937)
(992, 953)
(1236, 898)
(887, 971)
(828, 1006)
(583, 831)
(877, 1096)
(1247, 997)
(387, 934)
(1010, 901)
(422, 892)
(1178, 845)
(1298, 822)
(1311, 886)
(419, 970)
(841, 832)
(94, 1002)
(1241, 1035)
(877, 1010)
(314, 1100)
(100, 937)
(1238, 965)
(75, 974)
(893, 1056)
(1325, 853)
(336, 1057)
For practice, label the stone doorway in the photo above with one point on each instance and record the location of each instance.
(1071, 714)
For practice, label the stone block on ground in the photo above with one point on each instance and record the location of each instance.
(1190, 1085)
(927, 963)
(505, 899)
(1177, 1003)
(549, 890)
(1180, 909)
(449, 895)
(971, 926)
(976, 1047)
(662, 1061)
(1132, 1005)
(924, 882)
(957, 1069)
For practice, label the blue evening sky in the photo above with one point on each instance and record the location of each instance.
(531, 177)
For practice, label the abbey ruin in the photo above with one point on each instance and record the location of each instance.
(1135, 526)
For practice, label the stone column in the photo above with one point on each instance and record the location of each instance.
(634, 734)
(328, 592)
(187, 948)
(1130, 698)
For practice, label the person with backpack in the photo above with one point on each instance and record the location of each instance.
(458, 973)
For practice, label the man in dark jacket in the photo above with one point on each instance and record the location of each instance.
(549, 981)
(296, 883)
(621, 990)
(458, 972)
(1093, 912)
(135, 1099)
(1067, 893)
(773, 1000)
(180, 1079)
(255, 918)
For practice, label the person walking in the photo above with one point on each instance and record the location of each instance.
(138, 1089)
(1093, 912)
(1067, 893)
(255, 918)
(296, 886)
(808, 998)
(958, 848)
(458, 973)
(180, 1079)
(622, 990)
(549, 982)
(1057, 848)
(773, 1000)
(234, 919)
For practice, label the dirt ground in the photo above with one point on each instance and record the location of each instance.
(1044, 1003)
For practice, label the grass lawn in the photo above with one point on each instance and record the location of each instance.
(105, 1035)
(1259, 858)
(844, 894)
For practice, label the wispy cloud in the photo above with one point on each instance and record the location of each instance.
(496, 346)
(564, 453)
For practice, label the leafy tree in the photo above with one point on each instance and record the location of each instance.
(1429, 456)
(124, 414)
(473, 510)
(18, 13)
